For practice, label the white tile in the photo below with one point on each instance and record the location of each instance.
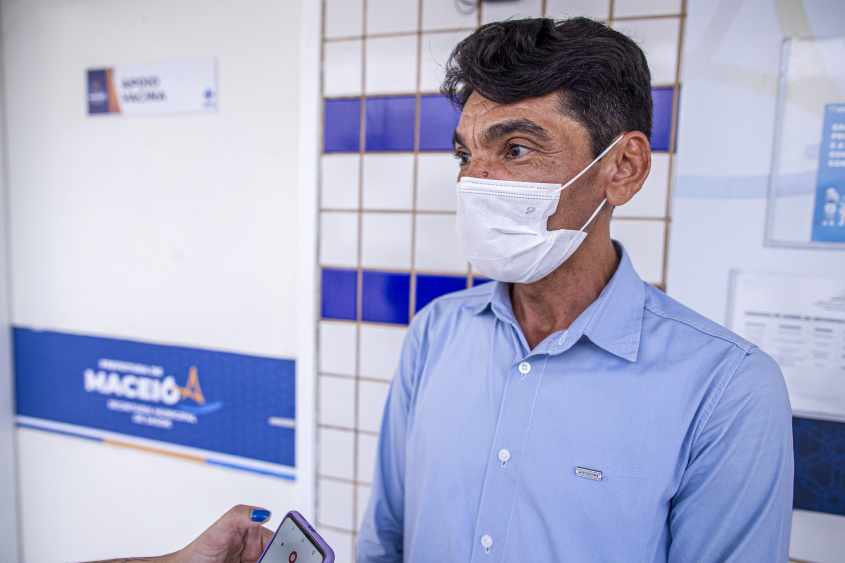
(388, 181)
(338, 347)
(650, 201)
(437, 177)
(371, 398)
(344, 18)
(380, 349)
(367, 446)
(633, 8)
(437, 248)
(337, 401)
(343, 544)
(391, 65)
(339, 238)
(645, 242)
(335, 504)
(659, 39)
(386, 240)
(337, 454)
(442, 14)
(392, 16)
(564, 9)
(363, 498)
(342, 68)
(498, 11)
(434, 53)
(340, 179)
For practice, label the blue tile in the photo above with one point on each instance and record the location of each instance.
(390, 124)
(386, 297)
(438, 120)
(342, 126)
(431, 287)
(819, 465)
(661, 128)
(340, 294)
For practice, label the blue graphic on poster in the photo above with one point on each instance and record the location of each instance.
(829, 212)
(217, 407)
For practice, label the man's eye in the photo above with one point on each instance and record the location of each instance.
(516, 150)
(463, 157)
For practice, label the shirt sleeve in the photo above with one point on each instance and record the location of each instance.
(735, 498)
(381, 535)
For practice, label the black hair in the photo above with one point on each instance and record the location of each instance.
(602, 75)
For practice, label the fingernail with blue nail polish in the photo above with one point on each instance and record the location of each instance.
(260, 515)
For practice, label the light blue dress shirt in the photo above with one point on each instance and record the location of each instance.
(490, 451)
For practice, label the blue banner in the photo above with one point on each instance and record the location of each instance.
(829, 212)
(235, 409)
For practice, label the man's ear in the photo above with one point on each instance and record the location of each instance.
(631, 162)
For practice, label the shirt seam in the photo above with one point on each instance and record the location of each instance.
(714, 401)
(738, 342)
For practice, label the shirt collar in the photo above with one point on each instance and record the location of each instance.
(613, 321)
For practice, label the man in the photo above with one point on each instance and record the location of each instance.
(568, 411)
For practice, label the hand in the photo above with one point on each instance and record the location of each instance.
(237, 537)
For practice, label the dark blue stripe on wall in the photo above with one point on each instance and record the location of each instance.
(340, 294)
(661, 129)
(819, 465)
(390, 123)
(438, 120)
(430, 288)
(385, 297)
(342, 126)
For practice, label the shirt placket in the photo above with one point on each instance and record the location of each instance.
(501, 480)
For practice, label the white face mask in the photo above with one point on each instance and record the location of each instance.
(502, 227)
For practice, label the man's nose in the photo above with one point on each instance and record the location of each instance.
(481, 167)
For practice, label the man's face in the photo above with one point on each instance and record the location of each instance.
(530, 141)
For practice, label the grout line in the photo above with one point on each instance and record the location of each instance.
(412, 292)
(364, 378)
(670, 189)
(387, 211)
(344, 481)
(648, 17)
(346, 429)
(360, 289)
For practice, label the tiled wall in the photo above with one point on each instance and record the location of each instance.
(387, 204)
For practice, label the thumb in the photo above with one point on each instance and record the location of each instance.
(244, 516)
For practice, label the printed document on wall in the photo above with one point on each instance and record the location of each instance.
(800, 322)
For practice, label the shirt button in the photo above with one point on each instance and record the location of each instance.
(486, 541)
(524, 367)
(504, 455)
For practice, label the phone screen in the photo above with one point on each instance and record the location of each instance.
(292, 545)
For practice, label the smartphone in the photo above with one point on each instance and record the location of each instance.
(296, 541)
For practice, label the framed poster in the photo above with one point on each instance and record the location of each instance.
(806, 202)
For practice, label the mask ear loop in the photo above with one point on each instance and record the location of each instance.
(593, 216)
(599, 157)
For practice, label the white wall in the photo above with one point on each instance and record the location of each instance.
(177, 230)
(726, 128)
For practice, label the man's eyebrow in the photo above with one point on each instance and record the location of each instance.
(516, 125)
(506, 127)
